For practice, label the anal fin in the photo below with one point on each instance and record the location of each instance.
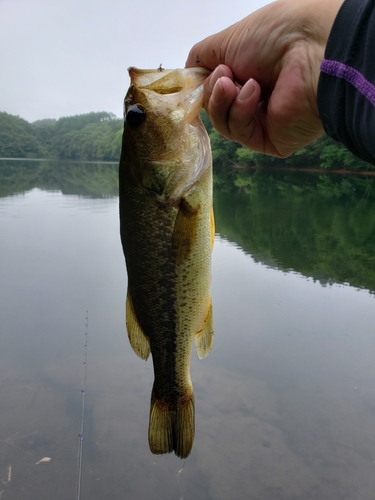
(205, 335)
(138, 340)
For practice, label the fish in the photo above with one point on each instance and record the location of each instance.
(167, 234)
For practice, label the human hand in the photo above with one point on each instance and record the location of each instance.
(263, 90)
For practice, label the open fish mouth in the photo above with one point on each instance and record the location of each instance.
(186, 83)
(167, 81)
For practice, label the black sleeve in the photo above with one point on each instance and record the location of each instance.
(346, 89)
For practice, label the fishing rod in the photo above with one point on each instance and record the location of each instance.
(81, 434)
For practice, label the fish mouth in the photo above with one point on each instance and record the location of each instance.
(167, 81)
(187, 82)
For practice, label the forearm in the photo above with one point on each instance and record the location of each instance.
(346, 90)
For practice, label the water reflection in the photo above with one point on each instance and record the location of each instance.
(95, 180)
(322, 226)
(297, 378)
(285, 402)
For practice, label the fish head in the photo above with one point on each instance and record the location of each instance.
(165, 147)
(158, 106)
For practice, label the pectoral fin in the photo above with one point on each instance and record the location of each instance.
(185, 230)
(205, 335)
(138, 340)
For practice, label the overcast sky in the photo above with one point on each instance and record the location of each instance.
(66, 57)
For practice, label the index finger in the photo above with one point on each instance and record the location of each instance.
(209, 52)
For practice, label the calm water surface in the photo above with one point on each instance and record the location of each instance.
(285, 402)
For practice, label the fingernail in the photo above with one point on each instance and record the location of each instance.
(215, 75)
(246, 91)
(218, 91)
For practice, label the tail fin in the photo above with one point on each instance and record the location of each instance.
(172, 428)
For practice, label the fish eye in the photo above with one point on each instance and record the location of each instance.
(135, 116)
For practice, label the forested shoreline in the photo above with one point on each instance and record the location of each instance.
(97, 137)
(87, 137)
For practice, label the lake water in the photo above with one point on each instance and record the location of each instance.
(285, 402)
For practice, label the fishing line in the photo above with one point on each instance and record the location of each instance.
(81, 434)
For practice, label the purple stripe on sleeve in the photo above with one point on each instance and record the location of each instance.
(351, 75)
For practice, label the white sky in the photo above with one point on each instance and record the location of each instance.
(66, 57)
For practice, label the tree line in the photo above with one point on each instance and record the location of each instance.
(97, 137)
(87, 137)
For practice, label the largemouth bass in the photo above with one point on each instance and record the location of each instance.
(167, 233)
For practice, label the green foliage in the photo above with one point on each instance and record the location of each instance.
(323, 153)
(245, 157)
(223, 151)
(78, 122)
(97, 140)
(45, 121)
(242, 179)
(92, 136)
(19, 139)
(248, 158)
(334, 155)
(206, 121)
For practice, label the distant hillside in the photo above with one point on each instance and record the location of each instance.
(92, 136)
(19, 139)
